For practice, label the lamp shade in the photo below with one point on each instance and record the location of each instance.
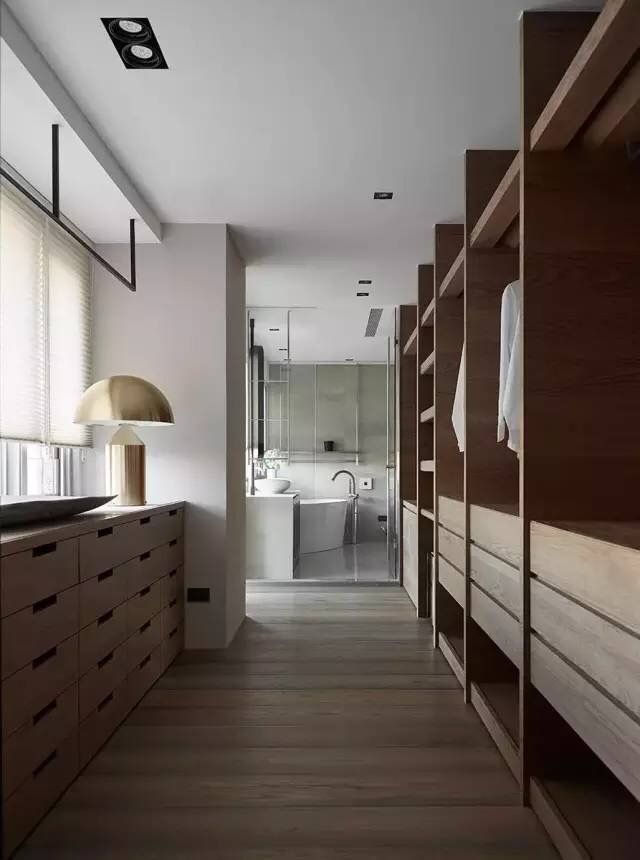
(123, 400)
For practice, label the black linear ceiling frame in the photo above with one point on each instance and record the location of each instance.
(54, 214)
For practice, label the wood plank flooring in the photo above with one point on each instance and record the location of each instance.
(329, 729)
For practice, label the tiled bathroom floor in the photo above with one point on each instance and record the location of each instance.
(362, 562)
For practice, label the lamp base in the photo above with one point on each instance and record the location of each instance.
(125, 468)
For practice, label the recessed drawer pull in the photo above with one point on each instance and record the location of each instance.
(106, 659)
(106, 617)
(105, 701)
(173, 542)
(45, 549)
(106, 575)
(145, 556)
(173, 602)
(173, 513)
(43, 658)
(145, 520)
(172, 573)
(44, 604)
(145, 591)
(44, 711)
(51, 757)
(145, 661)
(173, 633)
(105, 532)
(145, 626)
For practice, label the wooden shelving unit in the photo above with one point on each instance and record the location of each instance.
(536, 579)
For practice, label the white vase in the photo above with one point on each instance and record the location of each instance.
(272, 473)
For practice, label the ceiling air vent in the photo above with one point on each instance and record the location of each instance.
(375, 315)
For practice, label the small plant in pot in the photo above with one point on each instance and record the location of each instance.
(271, 460)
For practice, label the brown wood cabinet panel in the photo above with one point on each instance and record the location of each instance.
(172, 585)
(172, 645)
(37, 738)
(30, 633)
(108, 547)
(146, 569)
(39, 791)
(143, 641)
(110, 671)
(101, 637)
(172, 615)
(102, 593)
(30, 576)
(143, 676)
(100, 724)
(27, 691)
(143, 606)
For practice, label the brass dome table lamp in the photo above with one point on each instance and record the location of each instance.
(125, 402)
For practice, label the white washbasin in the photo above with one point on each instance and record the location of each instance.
(272, 486)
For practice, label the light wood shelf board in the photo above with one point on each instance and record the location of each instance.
(607, 49)
(453, 282)
(410, 345)
(501, 210)
(425, 512)
(618, 120)
(428, 364)
(427, 318)
(427, 415)
(427, 465)
(410, 506)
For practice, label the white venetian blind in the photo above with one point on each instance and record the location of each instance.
(45, 313)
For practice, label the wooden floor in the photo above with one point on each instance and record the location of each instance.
(330, 729)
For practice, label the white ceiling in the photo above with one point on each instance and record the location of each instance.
(282, 117)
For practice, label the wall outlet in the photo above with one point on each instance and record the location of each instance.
(365, 483)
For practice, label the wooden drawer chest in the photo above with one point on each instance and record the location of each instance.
(92, 613)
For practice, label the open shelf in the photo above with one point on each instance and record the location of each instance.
(501, 211)
(427, 317)
(411, 344)
(427, 415)
(452, 647)
(497, 704)
(453, 282)
(427, 365)
(602, 57)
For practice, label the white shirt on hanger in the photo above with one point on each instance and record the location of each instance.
(457, 416)
(510, 391)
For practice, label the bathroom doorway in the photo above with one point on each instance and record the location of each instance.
(321, 488)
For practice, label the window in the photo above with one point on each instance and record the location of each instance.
(45, 350)
(45, 290)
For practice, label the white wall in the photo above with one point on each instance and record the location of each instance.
(184, 330)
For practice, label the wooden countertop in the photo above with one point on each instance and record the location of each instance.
(19, 538)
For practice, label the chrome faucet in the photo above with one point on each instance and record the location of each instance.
(352, 480)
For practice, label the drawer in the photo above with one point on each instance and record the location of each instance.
(498, 532)
(146, 569)
(143, 676)
(497, 623)
(172, 615)
(172, 645)
(172, 586)
(28, 577)
(107, 548)
(451, 514)
(29, 690)
(38, 792)
(143, 606)
(36, 739)
(33, 631)
(609, 730)
(452, 548)
(102, 593)
(143, 641)
(101, 637)
(603, 651)
(175, 554)
(499, 579)
(451, 579)
(110, 671)
(164, 528)
(100, 724)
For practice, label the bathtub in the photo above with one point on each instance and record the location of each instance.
(322, 524)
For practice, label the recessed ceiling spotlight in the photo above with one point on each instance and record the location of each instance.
(362, 294)
(274, 329)
(282, 349)
(365, 283)
(383, 195)
(135, 42)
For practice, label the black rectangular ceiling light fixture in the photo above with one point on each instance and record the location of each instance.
(135, 42)
(365, 283)
(383, 195)
(362, 294)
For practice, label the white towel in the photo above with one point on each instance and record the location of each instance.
(510, 389)
(457, 416)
